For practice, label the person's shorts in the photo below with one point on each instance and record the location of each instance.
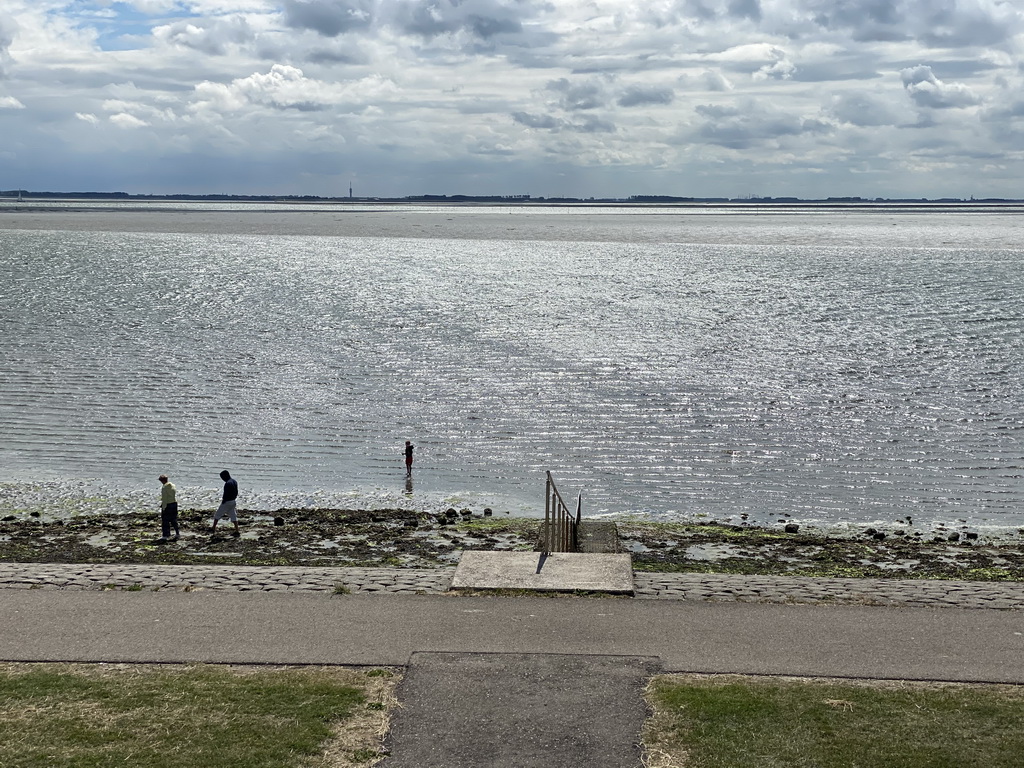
(229, 509)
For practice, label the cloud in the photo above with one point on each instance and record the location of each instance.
(704, 97)
(778, 70)
(542, 122)
(705, 80)
(762, 60)
(8, 29)
(711, 10)
(282, 88)
(329, 18)
(750, 9)
(211, 36)
(752, 124)
(585, 123)
(480, 18)
(862, 109)
(125, 120)
(575, 96)
(594, 124)
(950, 23)
(926, 90)
(640, 95)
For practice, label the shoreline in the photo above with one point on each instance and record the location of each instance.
(399, 538)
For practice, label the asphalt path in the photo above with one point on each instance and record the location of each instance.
(685, 636)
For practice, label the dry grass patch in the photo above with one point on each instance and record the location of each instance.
(172, 716)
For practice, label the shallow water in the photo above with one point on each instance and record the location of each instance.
(854, 367)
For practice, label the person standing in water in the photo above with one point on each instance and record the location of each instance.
(168, 509)
(228, 505)
(408, 458)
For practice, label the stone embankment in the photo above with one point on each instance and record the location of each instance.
(665, 586)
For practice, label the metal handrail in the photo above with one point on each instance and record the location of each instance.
(561, 527)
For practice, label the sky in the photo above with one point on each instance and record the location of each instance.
(579, 98)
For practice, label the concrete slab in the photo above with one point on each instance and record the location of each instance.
(466, 710)
(556, 572)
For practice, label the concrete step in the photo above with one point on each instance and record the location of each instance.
(554, 572)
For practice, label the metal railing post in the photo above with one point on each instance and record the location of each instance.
(561, 528)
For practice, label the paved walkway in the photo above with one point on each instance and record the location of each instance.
(230, 627)
(670, 586)
(487, 678)
(514, 710)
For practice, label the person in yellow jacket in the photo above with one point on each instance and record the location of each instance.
(168, 509)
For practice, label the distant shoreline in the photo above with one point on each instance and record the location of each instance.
(44, 201)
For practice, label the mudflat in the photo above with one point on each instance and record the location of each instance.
(411, 539)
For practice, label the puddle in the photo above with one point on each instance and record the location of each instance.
(103, 541)
(714, 552)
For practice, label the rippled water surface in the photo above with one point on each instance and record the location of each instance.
(843, 368)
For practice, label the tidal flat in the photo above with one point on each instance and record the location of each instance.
(413, 539)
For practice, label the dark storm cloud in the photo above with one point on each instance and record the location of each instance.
(639, 95)
(330, 18)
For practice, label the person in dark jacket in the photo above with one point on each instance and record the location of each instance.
(228, 505)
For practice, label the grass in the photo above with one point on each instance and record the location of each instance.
(729, 721)
(95, 716)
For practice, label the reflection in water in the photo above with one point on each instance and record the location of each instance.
(845, 374)
(408, 485)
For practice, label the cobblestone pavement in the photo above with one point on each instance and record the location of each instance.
(802, 589)
(226, 577)
(670, 586)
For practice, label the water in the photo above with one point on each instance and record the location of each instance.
(836, 367)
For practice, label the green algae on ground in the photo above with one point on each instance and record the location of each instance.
(409, 539)
(748, 550)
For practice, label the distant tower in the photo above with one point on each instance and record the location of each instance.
(350, 190)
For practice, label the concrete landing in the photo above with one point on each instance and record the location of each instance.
(556, 572)
(467, 710)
